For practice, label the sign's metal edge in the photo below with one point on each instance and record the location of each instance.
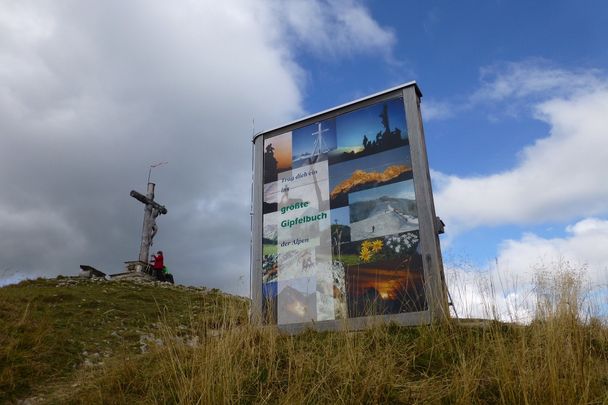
(380, 93)
(358, 323)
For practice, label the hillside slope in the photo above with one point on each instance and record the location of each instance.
(96, 342)
(53, 328)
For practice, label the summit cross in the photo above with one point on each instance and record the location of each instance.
(149, 229)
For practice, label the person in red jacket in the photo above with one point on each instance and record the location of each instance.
(158, 265)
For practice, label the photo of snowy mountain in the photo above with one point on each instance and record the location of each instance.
(384, 210)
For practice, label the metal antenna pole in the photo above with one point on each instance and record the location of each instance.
(153, 165)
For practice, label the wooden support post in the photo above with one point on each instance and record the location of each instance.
(429, 223)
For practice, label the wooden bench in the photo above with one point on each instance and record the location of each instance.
(91, 271)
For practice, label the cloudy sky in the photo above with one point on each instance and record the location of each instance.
(92, 93)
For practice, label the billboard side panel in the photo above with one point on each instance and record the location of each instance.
(256, 314)
(429, 238)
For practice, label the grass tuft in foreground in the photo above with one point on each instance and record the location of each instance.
(543, 363)
(216, 357)
(556, 359)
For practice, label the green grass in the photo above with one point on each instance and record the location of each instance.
(451, 363)
(349, 260)
(50, 328)
(203, 351)
(268, 249)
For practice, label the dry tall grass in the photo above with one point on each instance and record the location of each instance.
(556, 359)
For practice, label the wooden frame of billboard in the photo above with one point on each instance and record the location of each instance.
(435, 289)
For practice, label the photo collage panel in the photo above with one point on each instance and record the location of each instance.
(340, 222)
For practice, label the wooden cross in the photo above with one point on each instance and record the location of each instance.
(152, 210)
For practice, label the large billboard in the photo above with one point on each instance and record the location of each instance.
(337, 233)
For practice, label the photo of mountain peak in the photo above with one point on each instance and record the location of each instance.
(368, 172)
(361, 178)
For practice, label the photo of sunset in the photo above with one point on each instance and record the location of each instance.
(386, 287)
(282, 150)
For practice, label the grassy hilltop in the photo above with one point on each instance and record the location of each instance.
(55, 331)
(83, 341)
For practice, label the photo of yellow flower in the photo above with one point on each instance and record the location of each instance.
(366, 245)
(369, 249)
(366, 255)
(377, 246)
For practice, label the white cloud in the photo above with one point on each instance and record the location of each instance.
(507, 289)
(584, 248)
(558, 178)
(515, 89)
(483, 294)
(532, 78)
(331, 28)
(437, 110)
(93, 93)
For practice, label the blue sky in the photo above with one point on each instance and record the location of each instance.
(514, 105)
(341, 215)
(469, 59)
